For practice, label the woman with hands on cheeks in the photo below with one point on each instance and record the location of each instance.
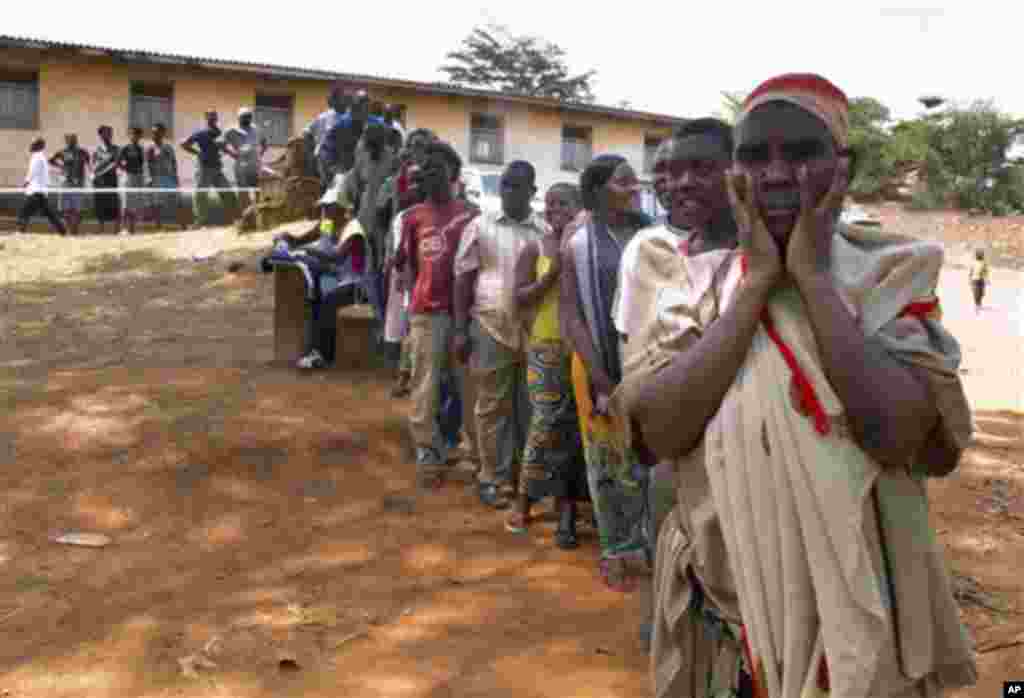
(819, 389)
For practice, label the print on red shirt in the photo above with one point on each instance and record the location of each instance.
(430, 239)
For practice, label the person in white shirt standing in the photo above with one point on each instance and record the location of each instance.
(37, 183)
(246, 143)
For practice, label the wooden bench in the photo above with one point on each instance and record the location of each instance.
(355, 345)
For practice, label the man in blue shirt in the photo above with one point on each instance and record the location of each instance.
(338, 151)
(210, 173)
(316, 131)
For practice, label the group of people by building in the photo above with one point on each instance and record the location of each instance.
(136, 166)
(751, 393)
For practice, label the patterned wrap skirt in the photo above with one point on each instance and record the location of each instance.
(614, 474)
(553, 462)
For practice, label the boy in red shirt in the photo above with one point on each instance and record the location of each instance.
(431, 233)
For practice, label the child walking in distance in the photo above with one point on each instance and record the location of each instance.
(979, 279)
(37, 183)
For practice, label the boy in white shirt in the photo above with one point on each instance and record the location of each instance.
(37, 183)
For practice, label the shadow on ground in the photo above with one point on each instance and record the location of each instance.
(261, 521)
(266, 520)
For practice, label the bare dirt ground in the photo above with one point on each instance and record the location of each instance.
(1002, 238)
(267, 539)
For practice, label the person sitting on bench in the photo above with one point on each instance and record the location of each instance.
(341, 266)
(336, 269)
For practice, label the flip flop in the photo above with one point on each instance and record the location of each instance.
(646, 635)
(491, 496)
(616, 580)
(565, 538)
(429, 480)
(517, 523)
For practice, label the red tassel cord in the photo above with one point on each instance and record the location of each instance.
(922, 309)
(809, 402)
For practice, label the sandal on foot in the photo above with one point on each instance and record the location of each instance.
(615, 575)
(428, 469)
(517, 523)
(491, 496)
(646, 635)
(565, 538)
(312, 360)
(429, 480)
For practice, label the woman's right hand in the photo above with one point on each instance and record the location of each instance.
(764, 260)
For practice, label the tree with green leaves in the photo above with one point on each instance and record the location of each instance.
(872, 141)
(972, 143)
(492, 58)
(967, 159)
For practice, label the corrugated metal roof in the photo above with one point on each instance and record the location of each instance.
(443, 88)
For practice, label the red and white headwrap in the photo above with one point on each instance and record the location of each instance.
(811, 93)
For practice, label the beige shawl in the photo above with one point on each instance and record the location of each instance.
(822, 566)
(807, 542)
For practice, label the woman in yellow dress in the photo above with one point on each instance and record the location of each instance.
(553, 462)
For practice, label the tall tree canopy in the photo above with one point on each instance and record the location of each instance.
(492, 58)
(960, 152)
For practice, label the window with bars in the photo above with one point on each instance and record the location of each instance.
(274, 114)
(19, 101)
(486, 139)
(151, 104)
(651, 144)
(577, 148)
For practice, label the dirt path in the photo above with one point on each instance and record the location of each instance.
(265, 526)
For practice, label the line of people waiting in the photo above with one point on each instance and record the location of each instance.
(751, 393)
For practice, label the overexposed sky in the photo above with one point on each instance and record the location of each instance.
(672, 58)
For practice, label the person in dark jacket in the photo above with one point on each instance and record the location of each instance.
(104, 176)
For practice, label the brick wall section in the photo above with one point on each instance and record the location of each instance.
(78, 93)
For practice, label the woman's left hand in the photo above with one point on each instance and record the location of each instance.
(809, 251)
(602, 404)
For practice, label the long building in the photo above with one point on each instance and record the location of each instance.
(49, 88)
